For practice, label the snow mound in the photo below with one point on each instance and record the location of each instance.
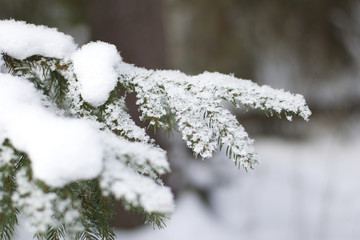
(61, 150)
(21, 40)
(95, 67)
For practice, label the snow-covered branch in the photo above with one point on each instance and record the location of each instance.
(63, 109)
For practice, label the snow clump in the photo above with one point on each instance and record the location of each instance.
(95, 67)
(22, 40)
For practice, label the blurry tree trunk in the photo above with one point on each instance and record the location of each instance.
(136, 28)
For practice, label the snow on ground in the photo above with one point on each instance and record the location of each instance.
(301, 190)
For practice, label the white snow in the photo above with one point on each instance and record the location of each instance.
(118, 119)
(21, 40)
(140, 156)
(2, 63)
(123, 162)
(34, 200)
(250, 93)
(37, 206)
(6, 153)
(136, 189)
(61, 150)
(191, 221)
(301, 190)
(95, 67)
(196, 105)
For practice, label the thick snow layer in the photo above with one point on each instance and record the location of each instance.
(61, 150)
(21, 40)
(124, 161)
(95, 67)
(137, 189)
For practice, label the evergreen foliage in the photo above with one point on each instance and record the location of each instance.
(130, 163)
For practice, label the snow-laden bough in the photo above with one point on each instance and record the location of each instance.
(66, 136)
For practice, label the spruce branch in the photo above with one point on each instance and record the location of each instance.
(76, 98)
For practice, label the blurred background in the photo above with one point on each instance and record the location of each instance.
(307, 185)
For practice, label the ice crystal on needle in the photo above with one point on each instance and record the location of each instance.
(68, 146)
